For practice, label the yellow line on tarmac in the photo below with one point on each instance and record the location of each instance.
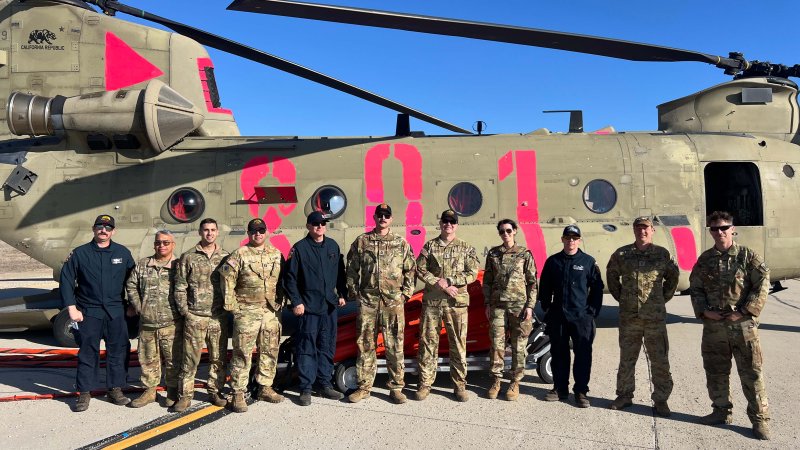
(150, 434)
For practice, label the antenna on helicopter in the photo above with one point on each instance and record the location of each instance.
(575, 119)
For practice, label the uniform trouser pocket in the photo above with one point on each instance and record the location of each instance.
(750, 336)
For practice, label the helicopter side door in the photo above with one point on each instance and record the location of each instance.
(736, 187)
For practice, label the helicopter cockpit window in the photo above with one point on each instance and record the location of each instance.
(465, 199)
(330, 201)
(599, 196)
(186, 205)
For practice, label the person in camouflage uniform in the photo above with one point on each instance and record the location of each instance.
(150, 293)
(642, 277)
(729, 285)
(250, 288)
(446, 265)
(509, 292)
(380, 275)
(199, 300)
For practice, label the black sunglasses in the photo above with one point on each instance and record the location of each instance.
(505, 231)
(164, 243)
(720, 228)
(383, 216)
(103, 227)
(450, 221)
(319, 224)
(259, 231)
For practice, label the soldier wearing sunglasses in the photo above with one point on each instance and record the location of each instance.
(446, 265)
(729, 285)
(250, 288)
(91, 284)
(509, 292)
(151, 294)
(380, 274)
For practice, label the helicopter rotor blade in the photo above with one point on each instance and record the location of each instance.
(238, 49)
(614, 48)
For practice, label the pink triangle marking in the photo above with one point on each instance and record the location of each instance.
(125, 67)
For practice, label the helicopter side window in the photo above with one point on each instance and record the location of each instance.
(599, 196)
(465, 199)
(735, 187)
(185, 205)
(330, 201)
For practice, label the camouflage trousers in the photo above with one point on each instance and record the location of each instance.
(391, 321)
(723, 340)
(504, 317)
(199, 332)
(254, 328)
(455, 322)
(161, 347)
(632, 332)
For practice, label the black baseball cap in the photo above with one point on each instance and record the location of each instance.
(316, 217)
(450, 215)
(383, 208)
(105, 219)
(571, 230)
(256, 224)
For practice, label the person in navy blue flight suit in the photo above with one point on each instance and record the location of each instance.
(92, 283)
(571, 294)
(315, 283)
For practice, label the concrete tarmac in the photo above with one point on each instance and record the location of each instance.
(439, 421)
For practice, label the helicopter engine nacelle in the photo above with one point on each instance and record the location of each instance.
(157, 112)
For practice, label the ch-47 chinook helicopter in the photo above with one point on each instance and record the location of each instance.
(108, 116)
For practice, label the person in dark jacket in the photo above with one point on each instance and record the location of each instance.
(92, 283)
(315, 283)
(571, 294)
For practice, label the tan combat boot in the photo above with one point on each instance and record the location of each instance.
(621, 402)
(761, 430)
(718, 417)
(494, 389)
(217, 400)
(358, 395)
(461, 394)
(423, 392)
(269, 395)
(662, 409)
(172, 396)
(182, 404)
(513, 391)
(147, 397)
(239, 405)
(397, 396)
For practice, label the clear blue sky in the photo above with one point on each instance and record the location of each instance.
(463, 80)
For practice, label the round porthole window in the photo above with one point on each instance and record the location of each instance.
(788, 171)
(186, 205)
(465, 199)
(599, 196)
(330, 201)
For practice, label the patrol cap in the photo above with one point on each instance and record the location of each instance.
(450, 215)
(105, 219)
(256, 224)
(383, 208)
(316, 217)
(644, 220)
(571, 230)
